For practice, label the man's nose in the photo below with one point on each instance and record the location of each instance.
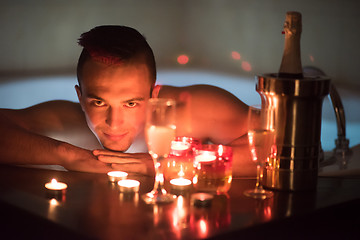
(115, 117)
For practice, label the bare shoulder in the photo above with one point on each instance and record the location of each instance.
(52, 115)
(205, 96)
(61, 120)
(208, 112)
(199, 88)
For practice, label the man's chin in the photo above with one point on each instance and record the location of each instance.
(115, 147)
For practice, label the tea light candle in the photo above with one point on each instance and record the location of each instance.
(55, 189)
(115, 176)
(55, 185)
(180, 183)
(205, 156)
(129, 186)
(179, 146)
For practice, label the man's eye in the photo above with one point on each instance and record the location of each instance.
(131, 104)
(98, 103)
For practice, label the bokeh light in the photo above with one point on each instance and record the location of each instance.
(246, 66)
(235, 55)
(183, 59)
(311, 57)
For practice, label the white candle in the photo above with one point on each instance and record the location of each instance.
(129, 185)
(115, 176)
(179, 146)
(205, 156)
(55, 185)
(180, 182)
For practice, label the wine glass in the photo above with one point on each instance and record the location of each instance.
(159, 131)
(261, 135)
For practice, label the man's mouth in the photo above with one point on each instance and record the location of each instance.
(115, 136)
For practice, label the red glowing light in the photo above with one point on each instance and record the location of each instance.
(183, 59)
(235, 55)
(246, 66)
(267, 212)
(312, 59)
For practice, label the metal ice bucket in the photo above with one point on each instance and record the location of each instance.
(297, 106)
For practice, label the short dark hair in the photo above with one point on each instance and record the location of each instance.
(114, 44)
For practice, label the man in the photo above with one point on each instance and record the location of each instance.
(116, 77)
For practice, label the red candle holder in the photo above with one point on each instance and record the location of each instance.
(213, 168)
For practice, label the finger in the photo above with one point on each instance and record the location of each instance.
(104, 152)
(115, 159)
(131, 168)
(99, 152)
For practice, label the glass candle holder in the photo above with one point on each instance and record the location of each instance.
(184, 146)
(213, 168)
(180, 162)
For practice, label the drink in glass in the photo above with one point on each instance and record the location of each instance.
(159, 132)
(261, 135)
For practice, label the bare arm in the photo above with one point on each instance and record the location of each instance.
(243, 166)
(24, 141)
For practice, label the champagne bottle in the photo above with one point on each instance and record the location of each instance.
(291, 60)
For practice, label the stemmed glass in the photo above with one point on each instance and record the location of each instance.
(261, 135)
(159, 131)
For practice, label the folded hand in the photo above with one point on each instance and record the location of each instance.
(141, 163)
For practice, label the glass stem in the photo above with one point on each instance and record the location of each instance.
(258, 186)
(159, 176)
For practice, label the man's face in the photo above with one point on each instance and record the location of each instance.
(114, 99)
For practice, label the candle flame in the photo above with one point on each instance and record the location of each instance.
(181, 173)
(53, 181)
(221, 150)
(54, 202)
